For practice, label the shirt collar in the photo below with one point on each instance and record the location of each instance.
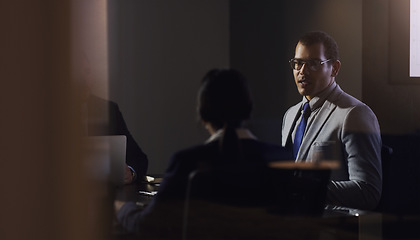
(242, 133)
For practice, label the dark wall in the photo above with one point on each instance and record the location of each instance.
(386, 86)
(261, 45)
(401, 191)
(159, 51)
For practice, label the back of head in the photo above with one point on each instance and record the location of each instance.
(330, 45)
(224, 101)
(224, 97)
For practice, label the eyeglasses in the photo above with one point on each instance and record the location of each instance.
(312, 64)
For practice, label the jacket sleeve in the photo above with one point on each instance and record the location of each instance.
(135, 157)
(362, 149)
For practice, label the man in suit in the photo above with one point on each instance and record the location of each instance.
(342, 126)
(103, 118)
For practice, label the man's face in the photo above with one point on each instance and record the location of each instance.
(311, 82)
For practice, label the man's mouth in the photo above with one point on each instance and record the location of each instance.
(303, 83)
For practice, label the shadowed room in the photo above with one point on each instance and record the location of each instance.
(149, 57)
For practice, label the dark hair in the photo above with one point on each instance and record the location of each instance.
(224, 97)
(224, 100)
(331, 47)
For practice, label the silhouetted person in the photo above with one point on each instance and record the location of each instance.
(224, 103)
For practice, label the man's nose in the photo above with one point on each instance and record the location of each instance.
(304, 69)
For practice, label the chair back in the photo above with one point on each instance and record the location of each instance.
(231, 197)
(386, 202)
(299, 192)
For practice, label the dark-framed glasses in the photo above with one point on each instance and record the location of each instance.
(312, 64)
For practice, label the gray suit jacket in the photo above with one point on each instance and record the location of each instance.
(349, 130)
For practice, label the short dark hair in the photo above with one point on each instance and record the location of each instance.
(315, 37)
(224, 98)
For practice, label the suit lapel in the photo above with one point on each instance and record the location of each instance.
(289, 122)
(316, 126)
(318, 123)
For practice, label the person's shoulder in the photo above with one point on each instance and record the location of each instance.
(357, 105)
(196, 151)
(188, 159)
(346, 101)
(292, 109)
(351, 99)
(297, 105)
(356, 113)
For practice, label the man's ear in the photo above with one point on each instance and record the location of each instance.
(336, 68)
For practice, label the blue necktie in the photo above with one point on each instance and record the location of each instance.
(301, 128)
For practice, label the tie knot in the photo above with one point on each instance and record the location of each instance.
(306, 109)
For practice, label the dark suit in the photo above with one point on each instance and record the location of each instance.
(105, 118)
(184, 162)
(168, 203)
